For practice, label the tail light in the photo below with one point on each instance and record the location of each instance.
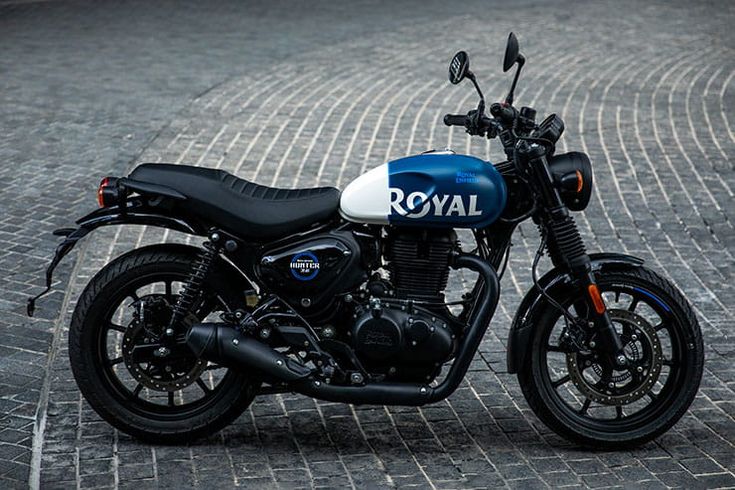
(108, 192)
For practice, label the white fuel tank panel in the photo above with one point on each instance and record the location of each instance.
(367, 198)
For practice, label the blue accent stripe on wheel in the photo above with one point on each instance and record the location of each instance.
(655, 298)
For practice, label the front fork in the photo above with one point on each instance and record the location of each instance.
(608, 335)
(568, 252)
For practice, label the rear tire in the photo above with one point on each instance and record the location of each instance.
(115, 403)
(555, 405)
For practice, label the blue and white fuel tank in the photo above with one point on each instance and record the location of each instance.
(436, 189)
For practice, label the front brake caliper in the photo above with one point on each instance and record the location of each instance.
(572, 338)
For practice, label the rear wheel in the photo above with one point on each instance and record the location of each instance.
(134, 374)
(576, 393)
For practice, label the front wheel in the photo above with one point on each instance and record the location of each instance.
(576, 393)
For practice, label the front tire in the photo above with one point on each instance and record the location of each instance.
(575, 396)
(160, 403)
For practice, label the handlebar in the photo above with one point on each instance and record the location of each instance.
(504, 116)
(476, 124)
(469, 119)
(509, 124)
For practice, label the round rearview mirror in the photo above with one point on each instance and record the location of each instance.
(511, 52)
(459, 67)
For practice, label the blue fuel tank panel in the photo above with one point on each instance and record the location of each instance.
(436, 189)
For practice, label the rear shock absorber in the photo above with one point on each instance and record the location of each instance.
(193, 286)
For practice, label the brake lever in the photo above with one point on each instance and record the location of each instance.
(471, 126)
(477, 122)
(493, 128)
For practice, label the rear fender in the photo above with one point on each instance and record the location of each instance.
(519, 339)
(137, 211)
(134, 211)
(234, 277)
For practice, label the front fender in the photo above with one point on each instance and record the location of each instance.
(519, 338)
(134, 211)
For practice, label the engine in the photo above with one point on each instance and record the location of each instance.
(405, 331)
(396, 325)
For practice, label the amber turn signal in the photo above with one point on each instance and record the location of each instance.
(580, 181)
(596, 298)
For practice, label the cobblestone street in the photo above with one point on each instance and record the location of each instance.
(298, 94)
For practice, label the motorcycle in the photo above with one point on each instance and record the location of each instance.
(342, 296)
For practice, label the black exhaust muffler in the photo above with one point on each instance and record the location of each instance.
(225, 345)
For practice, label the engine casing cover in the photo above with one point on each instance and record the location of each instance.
(404, 344)
(310, 272)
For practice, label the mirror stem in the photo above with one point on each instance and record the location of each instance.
(471, 76)
(521, 61)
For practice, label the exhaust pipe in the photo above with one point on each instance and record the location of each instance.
(422, 394)
(225, 345)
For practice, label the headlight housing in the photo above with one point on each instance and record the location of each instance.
(573, 177)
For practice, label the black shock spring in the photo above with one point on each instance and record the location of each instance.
(193, 286)
(565, 244)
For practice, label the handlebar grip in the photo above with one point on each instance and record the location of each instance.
(455, 119)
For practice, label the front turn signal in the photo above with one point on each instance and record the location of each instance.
(596, 298)
(570, 182)
(580, 181)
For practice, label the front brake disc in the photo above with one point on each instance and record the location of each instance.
(620, 387)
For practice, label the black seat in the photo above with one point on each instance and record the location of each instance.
(243, 207)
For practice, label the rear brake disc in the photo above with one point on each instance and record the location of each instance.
(163, 373)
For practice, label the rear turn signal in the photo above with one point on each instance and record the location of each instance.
(596, 298)
(107, 193)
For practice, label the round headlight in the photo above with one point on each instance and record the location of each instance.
(573, 175)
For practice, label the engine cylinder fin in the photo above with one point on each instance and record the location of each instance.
(419, 263)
